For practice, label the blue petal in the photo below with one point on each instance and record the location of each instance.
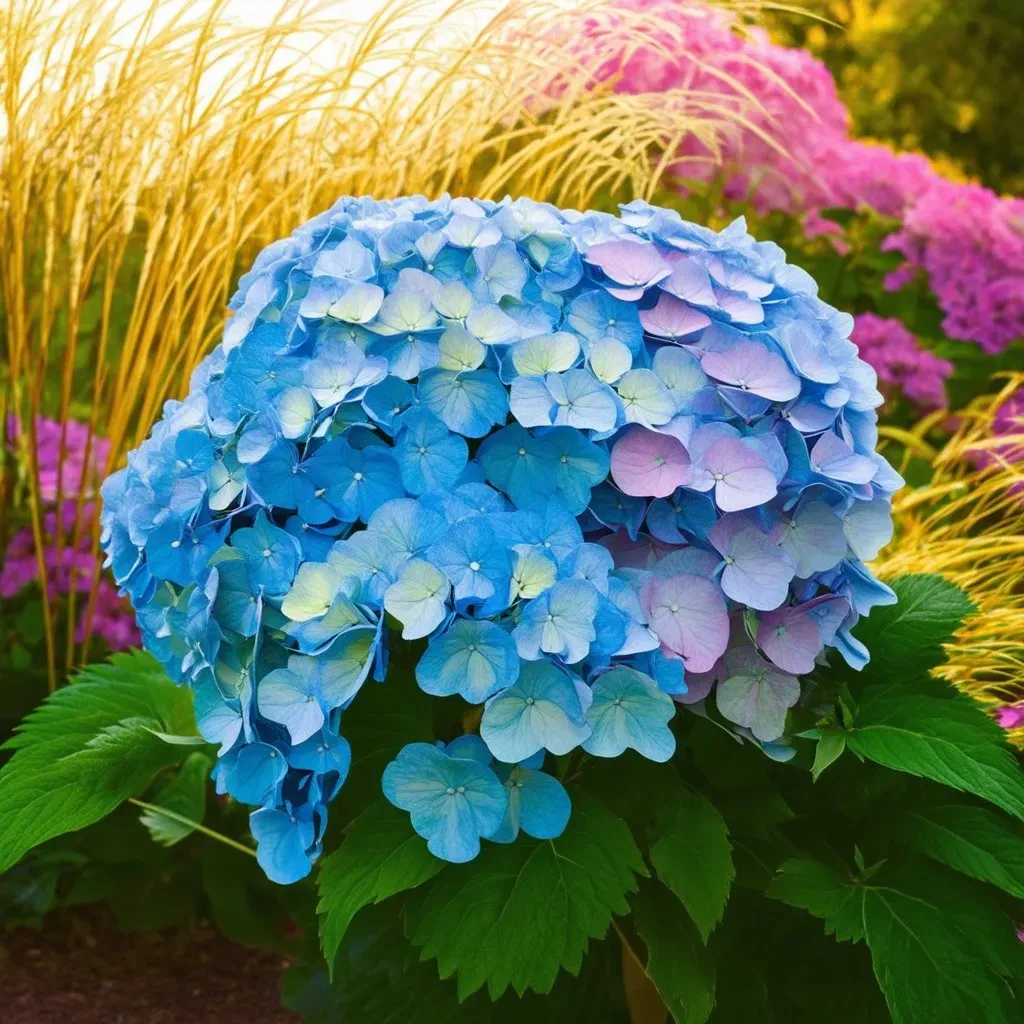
(542, 711)
(537, 803)
(629, 710)
(281, 844)
(452, 802)
(473, 659)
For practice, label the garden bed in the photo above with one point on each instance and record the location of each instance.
(81, 969)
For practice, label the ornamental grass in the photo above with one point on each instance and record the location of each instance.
(145, 161)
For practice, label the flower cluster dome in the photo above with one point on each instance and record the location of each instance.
(582, 467)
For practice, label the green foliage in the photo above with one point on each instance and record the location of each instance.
(535, 904)
(745, 889)
(184, 796)
(692, 855)
(907, 637)
(381, 856)
(947, 739)
(86, 749)
(973, 840)
(928, 967)
(680, 967)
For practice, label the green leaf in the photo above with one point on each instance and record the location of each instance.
(932, 962)
(677, 962)
(973, 840)
(517, 913)
(88, 748)
(927, 970)
(829, 749)
(951, 741)
(692, 855)
(185, 796)
(905, 639)
(821, 891)
(380, 856)
(243, 903)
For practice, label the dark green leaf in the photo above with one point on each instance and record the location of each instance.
(386, 717)
(927, 970)
(88, 748)
(185, 796)
(243, 904)
(381, 856)
(677, 962)
(929, 951)
(829, 749)
(905, 639)
(692, 856)
(974, 840)
(821, 891)
(517, 913)
(951, 741)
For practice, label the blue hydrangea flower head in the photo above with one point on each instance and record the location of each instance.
(577, 469)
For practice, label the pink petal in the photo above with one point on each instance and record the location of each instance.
(629, 263)
(649, 465)
(672, 318)
(790, 638)
(689, 616)
(688, 280)
(742, 477)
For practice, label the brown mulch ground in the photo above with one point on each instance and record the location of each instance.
(80, 970)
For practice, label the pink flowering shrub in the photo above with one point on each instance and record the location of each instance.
(70, 563)
(903, 367)
(797, 157)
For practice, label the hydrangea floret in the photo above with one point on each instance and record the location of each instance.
(583, 468)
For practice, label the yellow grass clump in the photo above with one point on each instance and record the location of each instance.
(968, 525)
(144, 163)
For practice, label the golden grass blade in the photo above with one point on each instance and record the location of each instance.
(968, 525)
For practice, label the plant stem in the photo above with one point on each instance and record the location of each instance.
(182, 820)
(642, 998)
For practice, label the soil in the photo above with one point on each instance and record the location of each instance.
(81, 970)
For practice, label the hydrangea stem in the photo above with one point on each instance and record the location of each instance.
(182, 820)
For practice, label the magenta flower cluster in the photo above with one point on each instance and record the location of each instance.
(903, 367)
(797, 156)
(70, 565)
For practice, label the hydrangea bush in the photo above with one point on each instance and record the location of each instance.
(583, 468)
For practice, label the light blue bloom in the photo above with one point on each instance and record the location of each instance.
(559, 622)
(470, 747)
(271, 554)
(476, 564)
(471, 658)
(252, 773)
(572, 399)
(341, 372)
(451, 801)
(418, 598)
(323, 752)
(537, 804)
(301, 696)
(283, 838)
(361, 481)
(406, 526)
(385, 402)
(629, 710)
(412, 416)
(468, 403)
(543, 711)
